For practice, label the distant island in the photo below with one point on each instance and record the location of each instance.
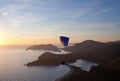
(49, 47)
(106, 55)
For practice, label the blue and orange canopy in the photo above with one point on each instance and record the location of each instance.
(64, 40)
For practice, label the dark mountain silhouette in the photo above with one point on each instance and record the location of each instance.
(85, 46)
(95, 74)
(114, 42)
(43, 47)
(106, 55)
(50, 59)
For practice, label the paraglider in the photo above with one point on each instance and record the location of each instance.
(64, 40)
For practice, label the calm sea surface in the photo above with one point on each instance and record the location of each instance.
(12, 60)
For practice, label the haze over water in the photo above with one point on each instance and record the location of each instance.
(12, 60)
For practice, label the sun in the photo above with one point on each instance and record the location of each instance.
(1, 41)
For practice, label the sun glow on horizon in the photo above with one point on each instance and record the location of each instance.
(1, 41)
(4, 39)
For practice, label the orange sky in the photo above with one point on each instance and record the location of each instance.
(24, 22)
(46, 40)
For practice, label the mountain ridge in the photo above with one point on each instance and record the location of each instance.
(49, 47)
(105, 54)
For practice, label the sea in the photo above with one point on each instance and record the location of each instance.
(13, 68)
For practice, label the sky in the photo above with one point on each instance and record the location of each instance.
(43, 21)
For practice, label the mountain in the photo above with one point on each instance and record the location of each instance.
(105, 54)
(85, 46)
(50, 59)
(95, 74)
(43, 47)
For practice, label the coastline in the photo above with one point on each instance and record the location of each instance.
(97, 73)
(67, 74)
(108, 61)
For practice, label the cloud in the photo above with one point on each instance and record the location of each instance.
(86, 9)
(26, 19)
(102, 11)
(12, 9)
(80, 12)
(75, 28)
(19, 14)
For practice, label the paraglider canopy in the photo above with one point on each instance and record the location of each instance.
(64, 40)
